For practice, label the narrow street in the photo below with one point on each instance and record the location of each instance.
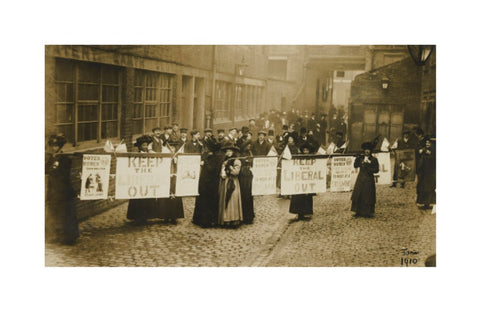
(332, 238)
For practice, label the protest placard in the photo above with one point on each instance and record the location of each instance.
(304, 175)
(384, 176)
(95, 176)
(341, 173)
(264, 176)
(140, 177)
(188, 175)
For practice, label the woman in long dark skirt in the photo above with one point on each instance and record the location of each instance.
(427, 174)
(364, 195)
(302, 204)
(139, 210)
(229, 193)
(206, 203)
(61, 224)
(245, 179)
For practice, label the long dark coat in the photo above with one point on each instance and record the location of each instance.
(206, 203)
(427, 178)
(260, 148)
(245, 179)
(364, 196)
(301, 204)
(61, 224)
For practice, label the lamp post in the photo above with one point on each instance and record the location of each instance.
(420, 53)
(385, 83)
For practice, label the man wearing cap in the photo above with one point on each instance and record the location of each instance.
(194, 145)
(207, 137)
(183, 138)
(402, 144)
(232, 135)
(166, 137)
(221, 136)
(157, 143)
(261, 146)
(175, 132)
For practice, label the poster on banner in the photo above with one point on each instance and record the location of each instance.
(384, 176)
(405, 164)
(95, 176)
(188, 175)
(141, 177)
(341, 173)
(304, 175)
(264, 176)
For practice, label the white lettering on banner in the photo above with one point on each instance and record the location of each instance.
(264, 176)
(95, 177)
(384, 176)
(301, 176)
(341, 173)
(188, 175)
(140, 177)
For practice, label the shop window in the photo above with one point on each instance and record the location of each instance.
(87, 100)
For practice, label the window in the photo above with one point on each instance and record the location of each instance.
(239, 101)
(87, 100)
(340, 74)
(151, 105)
(222, 100)
(277, 69)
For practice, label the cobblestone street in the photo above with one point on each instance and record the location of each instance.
(332, 238)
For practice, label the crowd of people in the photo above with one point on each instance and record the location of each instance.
(225, 195)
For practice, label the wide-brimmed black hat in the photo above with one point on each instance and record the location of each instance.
(230, 146)
(367, 145)
(406, 132)
(220, 131)
(143, 139)
(183, 130)
(57, 140)
(156, 129)
(168, 127)
(194, 132)
(284, 127)
(308, 146)
(245, 129)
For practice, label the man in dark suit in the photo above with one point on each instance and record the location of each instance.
(261, 146)
(194, 145)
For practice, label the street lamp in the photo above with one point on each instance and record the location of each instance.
(385, 83)
(420, 53)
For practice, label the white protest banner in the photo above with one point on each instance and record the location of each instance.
(304, 175)
(141, 177)
(188, 175)
(95, 176)
(384, 176)
(264, 176)
(341, 173)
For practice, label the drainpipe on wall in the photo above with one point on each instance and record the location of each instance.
(212, 103)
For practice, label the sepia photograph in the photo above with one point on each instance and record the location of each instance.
(211, 155)
(240, 155)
